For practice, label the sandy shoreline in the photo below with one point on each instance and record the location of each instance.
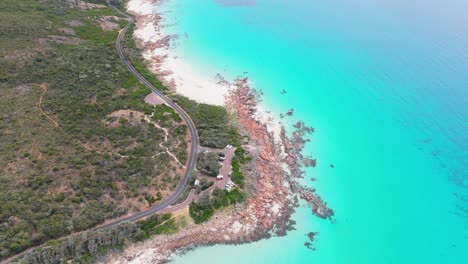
(160, 53)
(270, 176)
(164, 61)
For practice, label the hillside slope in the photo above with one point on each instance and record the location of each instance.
(76, 143)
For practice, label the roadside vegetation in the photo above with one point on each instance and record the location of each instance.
(213, 123)
(208, 163)
(202, 210)
(88, 246)
(240, 158)
(76, 149)
(133, 53)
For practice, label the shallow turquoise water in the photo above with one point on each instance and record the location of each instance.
(386, 87)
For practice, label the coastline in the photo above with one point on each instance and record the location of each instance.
(266, 213)
(176, 73)
(163, 60)
(271, 176)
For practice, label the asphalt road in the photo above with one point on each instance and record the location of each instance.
(193, 146)
(185, 117)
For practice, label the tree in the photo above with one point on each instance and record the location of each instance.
(53, 226)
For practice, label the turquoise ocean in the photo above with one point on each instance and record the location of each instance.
(385, 85)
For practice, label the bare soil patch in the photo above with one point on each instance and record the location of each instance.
(23, 89)
(75, 23)
(108, 23)
(65, 40)
(153, 99)
(133, 117)
(69, 31)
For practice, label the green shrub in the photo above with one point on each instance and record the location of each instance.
(212, 122)
(208, 163)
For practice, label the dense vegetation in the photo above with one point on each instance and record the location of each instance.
(70, 158)
(208, 163)
(76, 148)
(240, 157)
(213, 123)
(87, 246)
(202, 210)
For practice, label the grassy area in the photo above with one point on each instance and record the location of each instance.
(67, 161)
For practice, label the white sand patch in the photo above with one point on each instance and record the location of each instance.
(192, 83)
(273, 125)
(275, 208)
(143, 7)
(164, 61)
(235, 228)
(183, 77)
(147, 33)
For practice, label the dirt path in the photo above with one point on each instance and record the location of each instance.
(148, 119)
(55, 123)
(44, 90)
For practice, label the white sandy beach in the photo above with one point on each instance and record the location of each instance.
(186, 79)
(163, 59)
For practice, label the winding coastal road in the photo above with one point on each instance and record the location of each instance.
(189, 167)
(185, 117)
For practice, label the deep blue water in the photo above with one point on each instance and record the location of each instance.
(385, 84)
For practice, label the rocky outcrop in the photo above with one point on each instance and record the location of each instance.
(271, 190)
(319, 207)
(267, 212)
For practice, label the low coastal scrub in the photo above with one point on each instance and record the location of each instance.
(213, 123)
(239, 159)
(208, 163)
(202, 210)
(66, 165)
(163, 113)
(203, 185)
(133, 54)
(86, 247)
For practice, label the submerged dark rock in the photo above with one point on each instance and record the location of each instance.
(319, 207)
(311, 236)
(308, 162)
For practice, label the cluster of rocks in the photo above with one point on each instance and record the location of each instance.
(311, 236)
(294, 147)
(266, 213)
(295, 158)
(270, 188)
(319, 207)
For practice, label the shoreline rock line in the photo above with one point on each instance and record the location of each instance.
(271, 181)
